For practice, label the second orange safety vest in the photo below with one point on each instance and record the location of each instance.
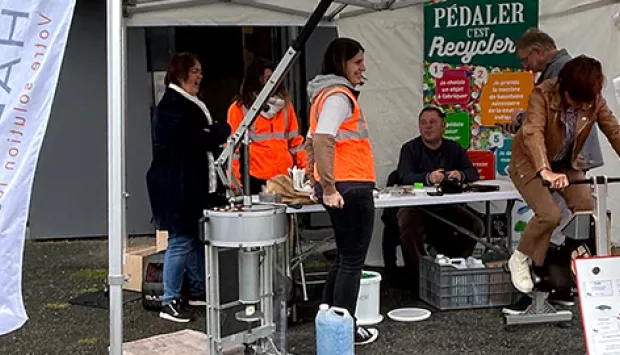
(353, 159)
(276, 144)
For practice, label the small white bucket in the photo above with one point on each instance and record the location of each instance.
(367, 311)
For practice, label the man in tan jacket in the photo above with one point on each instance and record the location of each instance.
(561, 113)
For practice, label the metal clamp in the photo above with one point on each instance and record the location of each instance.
(116, 280)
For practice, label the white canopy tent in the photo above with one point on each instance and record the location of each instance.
(392, 32)
(250, 12)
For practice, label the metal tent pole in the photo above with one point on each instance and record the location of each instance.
(116, 165)
(603, 243)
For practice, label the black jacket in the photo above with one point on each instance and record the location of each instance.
(417, 160)
(178, 178)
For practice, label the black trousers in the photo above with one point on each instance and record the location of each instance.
(353, 225)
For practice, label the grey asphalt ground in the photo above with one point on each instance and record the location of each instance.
(56, 271)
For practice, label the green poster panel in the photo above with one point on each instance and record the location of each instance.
(478, 32)
(458, 128)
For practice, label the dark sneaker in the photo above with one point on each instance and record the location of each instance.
(174, 312)
(365, 336)
(518, 307)
(198, 301)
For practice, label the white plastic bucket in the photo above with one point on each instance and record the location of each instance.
(367, 310)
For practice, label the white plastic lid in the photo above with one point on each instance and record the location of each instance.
(409, 314)
(324, 307)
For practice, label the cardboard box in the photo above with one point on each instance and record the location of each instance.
(161, 240)
(184, 342)
(133, 269)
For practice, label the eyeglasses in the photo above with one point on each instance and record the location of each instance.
(196, 71)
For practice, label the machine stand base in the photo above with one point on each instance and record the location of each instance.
(540, 311)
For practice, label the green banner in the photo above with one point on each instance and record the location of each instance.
(458, 129)
(479, 32)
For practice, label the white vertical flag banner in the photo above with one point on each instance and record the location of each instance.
(33, 37)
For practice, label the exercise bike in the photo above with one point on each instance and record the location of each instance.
(587, 234)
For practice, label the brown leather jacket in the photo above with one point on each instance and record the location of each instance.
(542, 135)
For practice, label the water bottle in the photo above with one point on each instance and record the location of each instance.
(480, 282)
(334, 331)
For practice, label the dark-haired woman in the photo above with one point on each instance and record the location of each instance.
(276, 144)
(181, 180)
(560, 115)
(343, 170)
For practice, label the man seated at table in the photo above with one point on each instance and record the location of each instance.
(429, 159)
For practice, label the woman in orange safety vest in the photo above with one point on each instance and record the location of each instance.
(275, 143)
(341, 158)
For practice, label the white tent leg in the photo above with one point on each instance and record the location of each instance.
(355, 13)
(363, 3)
(116, 165)
(332, 15)
(405, 3)
(270, 7)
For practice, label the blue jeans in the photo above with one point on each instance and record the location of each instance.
(183, 254)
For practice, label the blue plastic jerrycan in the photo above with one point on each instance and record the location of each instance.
(334, 331)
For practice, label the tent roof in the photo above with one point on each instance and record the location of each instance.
(289, 12)
(248, 12)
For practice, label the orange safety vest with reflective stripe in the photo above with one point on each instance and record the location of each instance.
(353, 158)
(275, 144)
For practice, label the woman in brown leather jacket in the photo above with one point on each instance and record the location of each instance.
(560, 115)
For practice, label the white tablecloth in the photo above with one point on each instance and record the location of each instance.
(507, 191)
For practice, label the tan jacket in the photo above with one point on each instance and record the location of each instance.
(542, 135)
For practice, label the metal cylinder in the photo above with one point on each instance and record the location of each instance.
(246, 227)
(249, 264)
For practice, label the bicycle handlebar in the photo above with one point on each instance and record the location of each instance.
(590, 181)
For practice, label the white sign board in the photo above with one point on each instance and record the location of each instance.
(598, 282)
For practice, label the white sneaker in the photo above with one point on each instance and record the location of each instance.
(520, 272)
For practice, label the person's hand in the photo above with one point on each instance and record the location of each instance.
(515, 122)
(557, 181)
(515, 115)
(334, 200)
(312, 195)
(436, 177)
(455, 174)
(581, 161)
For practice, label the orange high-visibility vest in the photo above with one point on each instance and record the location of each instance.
(275, 144)
(353, 160)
